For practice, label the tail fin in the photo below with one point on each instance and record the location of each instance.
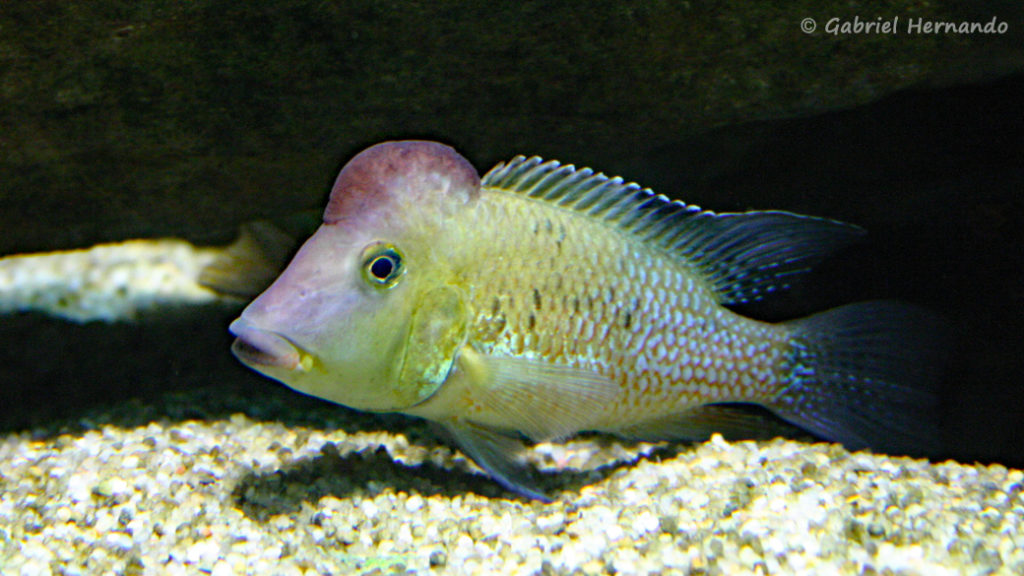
(864, 375)
(248, 265)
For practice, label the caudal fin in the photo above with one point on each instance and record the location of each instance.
(864, 375)
(248, 265)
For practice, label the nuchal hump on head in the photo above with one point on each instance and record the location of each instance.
(542, 300)
(400, 179)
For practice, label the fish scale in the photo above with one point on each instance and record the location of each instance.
(620, 276)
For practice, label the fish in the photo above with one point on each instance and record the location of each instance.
(143, 279)
(541, 300)
(129, 281)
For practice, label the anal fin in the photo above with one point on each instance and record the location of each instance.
(733, 421)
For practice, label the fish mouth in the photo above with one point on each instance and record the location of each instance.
(263, 348)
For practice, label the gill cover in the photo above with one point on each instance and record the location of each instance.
(438, 330)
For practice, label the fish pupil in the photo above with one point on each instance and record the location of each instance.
(382, 267)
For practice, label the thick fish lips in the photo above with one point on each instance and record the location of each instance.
(262, 348)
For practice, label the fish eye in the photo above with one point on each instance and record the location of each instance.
(382, 265)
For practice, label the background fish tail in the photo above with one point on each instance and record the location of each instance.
(865, 374)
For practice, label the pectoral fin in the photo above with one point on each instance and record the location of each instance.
(498, 455)
(540, 399)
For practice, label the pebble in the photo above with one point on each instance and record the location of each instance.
(238, 496)
(414, 503)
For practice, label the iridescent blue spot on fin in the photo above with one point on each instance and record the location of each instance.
(864, 375)
(743, 256)
(498, 455)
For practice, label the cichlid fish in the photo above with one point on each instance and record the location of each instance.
(542, 300)
(114, 282)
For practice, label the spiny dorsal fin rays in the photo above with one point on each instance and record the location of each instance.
(744, 256)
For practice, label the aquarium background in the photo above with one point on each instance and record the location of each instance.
(164, 119)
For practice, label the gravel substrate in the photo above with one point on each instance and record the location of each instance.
(236, 496)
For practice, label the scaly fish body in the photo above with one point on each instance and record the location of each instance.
(598, 299)
(542, 300)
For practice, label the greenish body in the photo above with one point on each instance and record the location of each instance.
(598, 300)
(542, 300)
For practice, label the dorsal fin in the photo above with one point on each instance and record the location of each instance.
(743, 256)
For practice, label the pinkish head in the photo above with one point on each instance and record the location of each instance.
(335, 323)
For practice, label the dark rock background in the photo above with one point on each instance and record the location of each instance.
(146, 119)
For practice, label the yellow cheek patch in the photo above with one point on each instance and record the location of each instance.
(305, 363)
(437, 331)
